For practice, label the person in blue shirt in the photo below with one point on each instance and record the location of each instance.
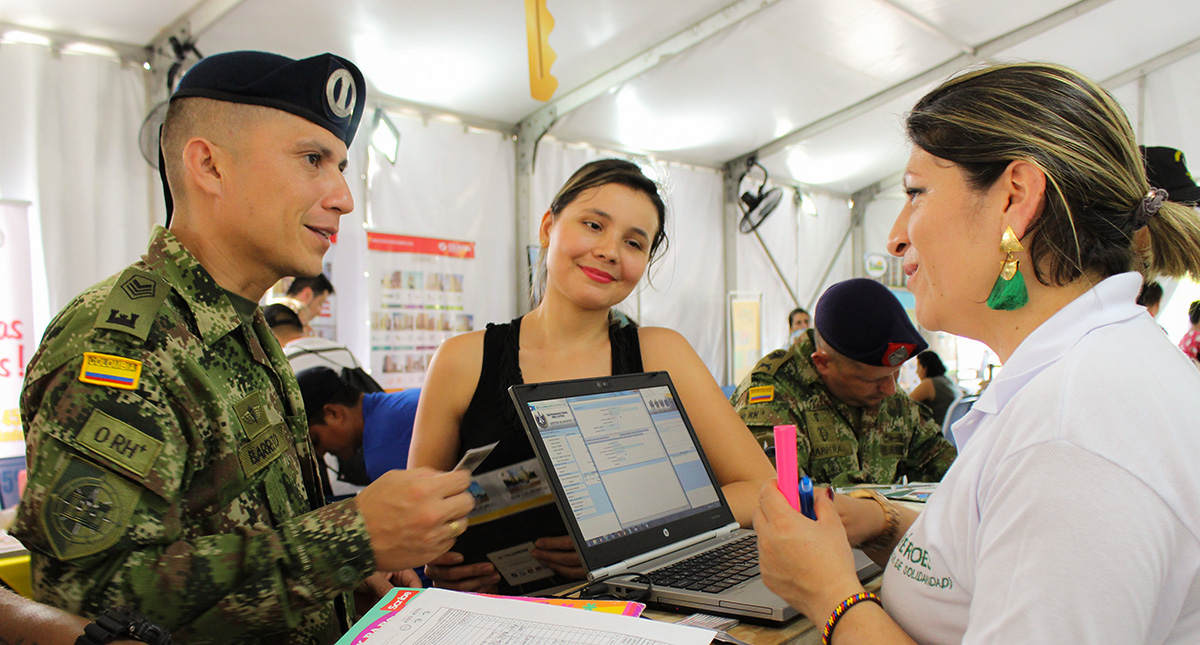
(342, 419)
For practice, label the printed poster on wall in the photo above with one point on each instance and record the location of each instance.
(745, 339)
(419, 297)
(16, 321)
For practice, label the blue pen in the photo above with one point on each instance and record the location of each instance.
(806, 498)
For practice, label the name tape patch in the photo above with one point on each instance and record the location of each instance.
(258, 454)
(110, 371)
(119, 442)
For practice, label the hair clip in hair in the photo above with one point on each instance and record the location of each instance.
(1009, 292)
(1148, 207)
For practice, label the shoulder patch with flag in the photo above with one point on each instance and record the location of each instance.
(762, 394)
(110, 371)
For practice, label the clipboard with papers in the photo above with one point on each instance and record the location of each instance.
(443, 617)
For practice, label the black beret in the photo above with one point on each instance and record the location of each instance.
(317, 386)
(863, 321)
(278, 313)
(1166, 168)
(326, 89)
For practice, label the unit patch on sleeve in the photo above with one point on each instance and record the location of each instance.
(119, 442)
(133, 303)
(110, 371)
(87, 509)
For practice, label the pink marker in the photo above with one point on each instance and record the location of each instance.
(785, 464)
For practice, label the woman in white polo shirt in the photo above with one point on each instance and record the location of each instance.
(1072, 513)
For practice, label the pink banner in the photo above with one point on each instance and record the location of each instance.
(16, 321)
(408, 244)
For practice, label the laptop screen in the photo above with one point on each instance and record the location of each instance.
(625, 461)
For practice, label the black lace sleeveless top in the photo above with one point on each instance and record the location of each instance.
(491, 415)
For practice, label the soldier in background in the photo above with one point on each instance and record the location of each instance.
(310, 295)
(170, 465)
(837, 385)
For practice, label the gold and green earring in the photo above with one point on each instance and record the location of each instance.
(1009, 292)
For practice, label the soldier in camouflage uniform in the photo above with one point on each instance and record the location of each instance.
(170, 465)
(837, 385)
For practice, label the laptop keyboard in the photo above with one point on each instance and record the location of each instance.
(712, 571)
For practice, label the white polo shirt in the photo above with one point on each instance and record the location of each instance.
(1072, 514)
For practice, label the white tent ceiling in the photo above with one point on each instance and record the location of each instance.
(815, 88)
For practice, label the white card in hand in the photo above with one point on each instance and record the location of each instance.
(474, 457)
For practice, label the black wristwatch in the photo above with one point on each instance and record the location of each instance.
(123, 623)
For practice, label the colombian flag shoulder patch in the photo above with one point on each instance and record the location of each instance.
(762, 394)
(110, 371)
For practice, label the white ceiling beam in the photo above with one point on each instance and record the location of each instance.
(984, 52)
(929, 26)
(195, 21)
(432, 113)
(59, 39)
(1154, 64)
(651, 57)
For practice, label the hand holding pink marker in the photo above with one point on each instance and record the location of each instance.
(787, 470)
(785, 464)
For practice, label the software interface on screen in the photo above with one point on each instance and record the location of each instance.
(625, 460)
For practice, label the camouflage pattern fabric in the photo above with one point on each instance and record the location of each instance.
(836, 443)
(170, 467)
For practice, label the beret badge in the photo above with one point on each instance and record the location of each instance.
(897, 353)
(341, 93)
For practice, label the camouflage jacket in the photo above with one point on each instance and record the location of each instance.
(837, 443)
(170, 467)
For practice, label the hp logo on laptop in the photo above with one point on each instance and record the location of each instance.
(666, 533)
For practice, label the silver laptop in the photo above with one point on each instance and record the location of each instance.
(638, 495)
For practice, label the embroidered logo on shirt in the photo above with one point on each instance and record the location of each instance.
(117, 318)
(110, 371)
(257, 412)
(137, 287)
(913, 561)
(88, 509)
(131, 305)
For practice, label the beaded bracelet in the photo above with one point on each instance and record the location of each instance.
(827, 633)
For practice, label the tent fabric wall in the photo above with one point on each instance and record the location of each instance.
(455, 183)
(686, 289)
(1171, 105)
(881, 215)
(817, 243)
(70, 126)
(803, 245)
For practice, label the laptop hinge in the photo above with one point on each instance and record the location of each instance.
(626, 565)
